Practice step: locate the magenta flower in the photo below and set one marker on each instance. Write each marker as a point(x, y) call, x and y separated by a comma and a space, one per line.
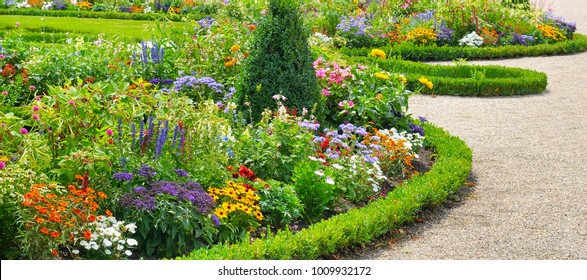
point(35, 117)
point(24, 131)
point(325, 92)
point(4, 93)
point(361, 67)
point(341, 104)
point(2, 56)
point(317, 62)
point(321, 73)
point(2, 125)
point(109, 132)
point(71, 102)
point(32, 87)
point(2, 165)
point(36, 108)
point(351, 104)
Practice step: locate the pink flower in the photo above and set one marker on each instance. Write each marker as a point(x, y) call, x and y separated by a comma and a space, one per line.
point(263, 12)
point(361, 67)
point(317, 62)
point(17, 25)
point(35, 108)
point(2, 56)
point(321, 73)
point(35, 117)
point(2, 165)
point(32, 87)
point(4, 93)
point(24, 131)
point(109, 132)
point(2, 125)
point(341, 104)
point(351, 104)
point(325, 92)
point(71, 102)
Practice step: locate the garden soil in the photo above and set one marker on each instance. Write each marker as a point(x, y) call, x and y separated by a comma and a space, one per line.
point(529, 200)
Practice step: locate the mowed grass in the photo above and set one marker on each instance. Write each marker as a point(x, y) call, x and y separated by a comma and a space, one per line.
point(137, 30)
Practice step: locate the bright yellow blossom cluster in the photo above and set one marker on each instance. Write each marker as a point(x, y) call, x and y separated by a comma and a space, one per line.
point(551, 32)
point(377, 53)
point(381, 75)
point(426, 82)
point(421, 35)
point(236, 197)
point(85, 5)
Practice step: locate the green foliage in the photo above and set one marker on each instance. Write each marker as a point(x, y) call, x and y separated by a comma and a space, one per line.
point(280, 62)
point(448, 174)
point(194, 14)
point(279, 202)
point(316, 194)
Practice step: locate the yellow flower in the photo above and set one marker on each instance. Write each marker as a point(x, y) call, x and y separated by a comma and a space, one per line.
point(402, 79)
point(377, 53)
point(258, 215)
point(220, 213)
point(235, 48)
point(426, 82)
point(382, 76)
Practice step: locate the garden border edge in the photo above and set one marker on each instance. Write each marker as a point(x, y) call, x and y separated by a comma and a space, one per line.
point(448, 174)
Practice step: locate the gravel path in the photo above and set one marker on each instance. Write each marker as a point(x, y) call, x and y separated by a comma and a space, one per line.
point(529, 154)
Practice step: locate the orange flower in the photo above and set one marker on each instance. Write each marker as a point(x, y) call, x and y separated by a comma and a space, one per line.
point(92, 218)
point(87, 234)
point(54, 252)
point(102, 195)
point(39, 220)
point(79, 177)
point(44, 231)
point(54, 234)
point(108, 213)
point(252, 27)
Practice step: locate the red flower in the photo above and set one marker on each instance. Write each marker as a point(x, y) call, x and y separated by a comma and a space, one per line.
point(87, 234)
point(54, 252)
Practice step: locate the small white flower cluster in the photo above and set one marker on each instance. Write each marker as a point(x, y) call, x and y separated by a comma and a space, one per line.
point(471, 40)
point(47, 6)
point(411, 141)
point(24, 4)
point(107, 236)
point(320, 40)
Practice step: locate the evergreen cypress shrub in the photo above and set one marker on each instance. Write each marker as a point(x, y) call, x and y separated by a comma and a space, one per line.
point(280, 62)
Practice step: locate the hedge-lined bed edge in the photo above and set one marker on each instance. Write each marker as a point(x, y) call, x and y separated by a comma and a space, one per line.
point(448, 174)
point(448, 53)
point(465, 80)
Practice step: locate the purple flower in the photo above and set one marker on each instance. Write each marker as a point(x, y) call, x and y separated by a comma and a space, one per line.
point(122, 176)
point(24, 131)
point(309, 125)
point(319, 139)
point(206, 22)
point(146, 172)
point(216, 220)
point(109, 132)
point(361, 131)
point(191, 192)
point(422, 119)
point(36, 108)
point(181, 173)
point(35, 117)
point(520, 39)
point(161, 139)
point(417, 129)
point(370, 159)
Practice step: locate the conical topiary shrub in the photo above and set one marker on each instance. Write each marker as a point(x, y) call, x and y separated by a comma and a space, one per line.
point(280, 62)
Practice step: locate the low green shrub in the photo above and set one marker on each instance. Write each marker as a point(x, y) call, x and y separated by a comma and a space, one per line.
point(466, 80)
point(448, 174)
point(103, 14)
point(447, 53)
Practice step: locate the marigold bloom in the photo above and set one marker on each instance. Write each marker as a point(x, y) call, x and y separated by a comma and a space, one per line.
point(252, 27)
point(39, 220)
point(54, 234)
point(235, 48)
point(44, 231)
point(102, 195)
point(382, 76)
point(378, 53)
point(55, 253)
point(108, 213)
point(426, 82)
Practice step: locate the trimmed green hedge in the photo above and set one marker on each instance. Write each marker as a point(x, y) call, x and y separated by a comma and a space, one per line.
point(465, 80)
point(446, 53)
point(106, 15)
point(448, 174)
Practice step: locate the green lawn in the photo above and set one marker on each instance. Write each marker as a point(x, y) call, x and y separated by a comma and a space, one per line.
point(130, 29)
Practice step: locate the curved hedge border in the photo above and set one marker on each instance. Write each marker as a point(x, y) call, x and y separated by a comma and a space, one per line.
point(465, 80)
point(448, 174)
point(446, 53)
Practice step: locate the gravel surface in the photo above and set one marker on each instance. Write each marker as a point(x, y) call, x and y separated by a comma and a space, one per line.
point(529, 153)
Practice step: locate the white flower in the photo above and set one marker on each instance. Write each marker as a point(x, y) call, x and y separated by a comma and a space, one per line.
point(83, 243)
point(107, 243)
point(329, 180)
point(131, 242)
point(471, 40)
point(119, 247)
point(319, 173)
point(128, 253)
point(338, 166)
point(313, 158)
point(75, 251)
point(95, 246)
point(107, 252)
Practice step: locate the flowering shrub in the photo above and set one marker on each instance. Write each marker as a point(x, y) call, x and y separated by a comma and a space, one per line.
point(171, 218)
point(53, 217)
point(471, 40)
